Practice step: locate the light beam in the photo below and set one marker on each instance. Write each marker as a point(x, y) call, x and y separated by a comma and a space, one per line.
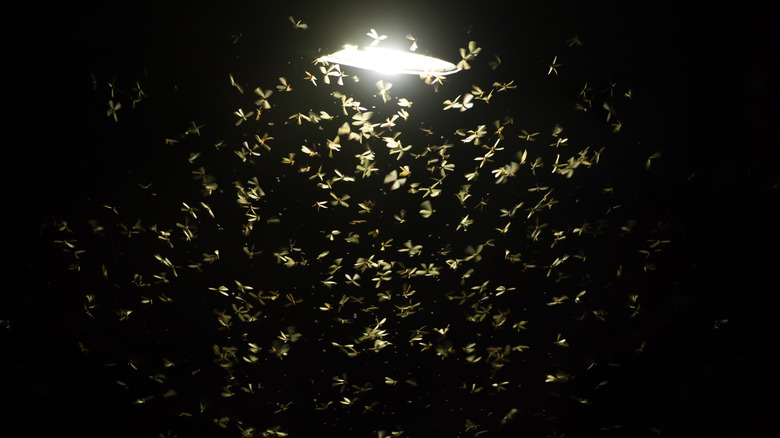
point(390, 61)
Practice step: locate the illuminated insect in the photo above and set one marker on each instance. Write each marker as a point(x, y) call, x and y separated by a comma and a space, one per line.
point(262, 102)
point(139, 93)
point(395, 146)
point(312, 153)
point(233, 83)
point(353, 279)
point(413, 47)
point(384, 87)
point(553, 66)
point(289, 159)
point(298, 117)
point(649, 162)
point(464, 223)
point(454, 103)
point(504, 86)
point(339, 200)
point(113, 107)
point(310, 77)
point(360, 119)
point(298, 24)
point(390, 122)
point(467, 54)
point(333, 145)
point(526, 136)
point(495, 63)
point(283, 86)
point(376, 37)
point(112, 86)
point(241, 116)
point(610, 110)
point(413, 250)
point(473, 135)
point(426, 210)
point(392, 178)
point(561, 342)
point(467, 104)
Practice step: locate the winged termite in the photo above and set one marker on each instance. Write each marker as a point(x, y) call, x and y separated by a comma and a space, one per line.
point(495, 62)
point(339, 200)
point(376, 37)
point(112, 87)
point(332, 70)
point(279, 349)
point(242, 117)
point(299, 117)
point(609, 109)
point(283, 85)
point(194, 128)
point(466, 104)
point(468, 54)
point(450, 104)
point(560, 341)
point(526, 136)
point(235, 84)
point(473, 253)
point(298, 24)
point(426, 210)
point(464, 223)
point(574, 41)
point(113, 107)
point(312, 153)
point(389, 122)
point(392, 177)
point(473, 135)
point(262, 102)
point(649, 162)
point(349, 102)
point(383, 88)
point(311, 78)
point(289, 159)
point(554, 66)
point(337, 72)
point(333, 145)
point(360, 119)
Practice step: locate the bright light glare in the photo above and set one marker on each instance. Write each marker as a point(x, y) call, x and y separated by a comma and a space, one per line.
point(390, 61)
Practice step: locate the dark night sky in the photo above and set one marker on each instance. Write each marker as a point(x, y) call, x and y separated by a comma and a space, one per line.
point(701, 96)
